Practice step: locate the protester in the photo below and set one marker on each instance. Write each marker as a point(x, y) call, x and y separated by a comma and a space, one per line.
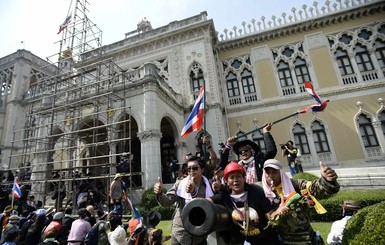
point(24, 228)
point(349, 208)
point(12, 238)
point(250, 154)
point(217, 181)
point(116, 190)
point(67, 223)
point(183, 191)
point(290, 152)
point(50, 238)
point(242, 201)
point(34, 232)
point(11, 226)
point(79, 228)
point(117, 236)
point(293, 198)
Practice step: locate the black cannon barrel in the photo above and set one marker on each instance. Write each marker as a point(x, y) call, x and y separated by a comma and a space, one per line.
point(200, 217)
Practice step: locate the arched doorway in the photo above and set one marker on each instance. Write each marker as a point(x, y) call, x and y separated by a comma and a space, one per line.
point(168, 149)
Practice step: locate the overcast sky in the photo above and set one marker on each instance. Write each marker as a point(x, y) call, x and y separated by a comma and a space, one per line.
point(33, 24)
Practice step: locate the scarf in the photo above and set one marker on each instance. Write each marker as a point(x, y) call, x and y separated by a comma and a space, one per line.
point(287, 186)
point(181, 191)
point(249, 166)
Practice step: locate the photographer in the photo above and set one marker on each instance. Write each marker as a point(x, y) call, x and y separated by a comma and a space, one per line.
point(289, 151)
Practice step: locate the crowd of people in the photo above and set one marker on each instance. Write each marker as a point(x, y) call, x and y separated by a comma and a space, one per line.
point(266, 206)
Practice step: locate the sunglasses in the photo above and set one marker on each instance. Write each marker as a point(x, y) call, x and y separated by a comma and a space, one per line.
point(244, 151)
point(192, 169)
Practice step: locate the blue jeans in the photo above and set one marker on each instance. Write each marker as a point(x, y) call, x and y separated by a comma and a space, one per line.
point(292, 170)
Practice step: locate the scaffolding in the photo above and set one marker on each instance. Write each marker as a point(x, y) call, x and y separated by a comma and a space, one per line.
point(78, 125)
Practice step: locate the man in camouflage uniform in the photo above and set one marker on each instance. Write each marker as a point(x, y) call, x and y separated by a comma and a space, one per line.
point(294, 198)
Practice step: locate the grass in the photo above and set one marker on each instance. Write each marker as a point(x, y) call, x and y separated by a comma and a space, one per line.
point(322, 227)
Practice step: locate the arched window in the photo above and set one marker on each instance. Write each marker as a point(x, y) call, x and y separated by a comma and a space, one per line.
point(284, 74)
point(367, 132)
point(232, 85)
point(247, 82)
point(320, 139)
point(380, 52)
point(363, 58)
point(301, 71)
point(258, 139)
point(197, 79)
point(241, 136)
point(300, 138)
point(343, 61)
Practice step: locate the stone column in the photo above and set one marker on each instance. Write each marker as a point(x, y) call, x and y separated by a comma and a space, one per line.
point(150, 154)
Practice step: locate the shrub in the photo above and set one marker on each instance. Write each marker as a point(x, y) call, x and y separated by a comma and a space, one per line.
point(366, 226)
point(305, 176)
point(149, 203)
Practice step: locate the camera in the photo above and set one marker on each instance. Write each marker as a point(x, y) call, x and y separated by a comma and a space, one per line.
point(283, 146)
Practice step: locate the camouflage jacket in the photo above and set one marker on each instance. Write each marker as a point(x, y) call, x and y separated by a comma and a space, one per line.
point(295, 228)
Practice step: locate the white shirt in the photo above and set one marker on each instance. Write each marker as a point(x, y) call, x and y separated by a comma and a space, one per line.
point(337, 230)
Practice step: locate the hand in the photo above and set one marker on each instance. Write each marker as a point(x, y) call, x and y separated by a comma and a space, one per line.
point(266, 127)
point(158, 187)
point(232, 140)
point(205, 140)
point(328, 173)
point(190, 187)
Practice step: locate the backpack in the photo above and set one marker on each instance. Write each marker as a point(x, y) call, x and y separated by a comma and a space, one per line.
point(139, 236)
point(92, 236)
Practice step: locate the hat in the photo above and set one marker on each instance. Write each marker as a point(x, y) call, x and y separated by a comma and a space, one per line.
point(151, 219)
point(41, 212)
point(8, 209)
point(272, 163)
point(13, 219)
point(239, 144)
point(118, 175)
point(351, 205)
point(49, 211)
point(118, 236)
point(58, 216)
point(117, 210)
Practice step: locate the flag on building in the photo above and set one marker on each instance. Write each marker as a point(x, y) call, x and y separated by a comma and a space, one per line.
point(319, 106)
point(65, 23)
point(16, 191)
point(195, 119)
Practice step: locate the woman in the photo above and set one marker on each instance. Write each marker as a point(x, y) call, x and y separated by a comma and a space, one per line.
point(193, 186)
point(249, 208)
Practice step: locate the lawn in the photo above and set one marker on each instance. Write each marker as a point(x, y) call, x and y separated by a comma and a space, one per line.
point(322, 227)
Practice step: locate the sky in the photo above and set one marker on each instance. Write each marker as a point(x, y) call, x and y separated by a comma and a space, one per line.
point(33, 24)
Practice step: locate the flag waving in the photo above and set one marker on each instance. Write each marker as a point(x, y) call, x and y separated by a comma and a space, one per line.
point(16, 191)
point(195, 119)
point(319, 106)
point(65, 23)
point(134, 210)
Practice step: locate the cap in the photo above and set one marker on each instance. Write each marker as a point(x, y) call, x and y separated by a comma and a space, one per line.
point(118, 175)
point(40, 212)
point(272, 163)
point(8, 209)
point(58, 216)
point(13, 219)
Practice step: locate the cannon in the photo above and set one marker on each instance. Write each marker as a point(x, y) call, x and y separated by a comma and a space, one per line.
point(201, 217)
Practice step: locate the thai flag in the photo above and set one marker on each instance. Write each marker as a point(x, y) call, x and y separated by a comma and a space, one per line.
point(132, 207)
point(195, 119)
point(65, 23)
point(16, 191)
point(319, 106)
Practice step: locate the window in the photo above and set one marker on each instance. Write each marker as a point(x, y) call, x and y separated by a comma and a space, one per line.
point(197, 80)
point(247, 82)
point(363, 58)
point(259, 140)
point(284, 74)
point(380, 52)
point(232, 85)
point(301, 71)
point(320, 138)
point(241, 136)
point(300, 139)
point(343, 61)
point(367, 131)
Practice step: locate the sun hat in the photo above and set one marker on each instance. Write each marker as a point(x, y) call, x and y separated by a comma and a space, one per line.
point(151, 219)
point(241, 143)
point(118, 236)
point(118, 175)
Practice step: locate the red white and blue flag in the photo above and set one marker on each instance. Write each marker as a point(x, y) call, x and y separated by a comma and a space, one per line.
point(319, 106)
point(132, 207)
point(16, 191)
point(195, 119)
point(65, 23)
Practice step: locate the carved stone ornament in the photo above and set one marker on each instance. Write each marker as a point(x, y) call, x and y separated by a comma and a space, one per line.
point(260, 53)
point(316, 40)
point(152, 133)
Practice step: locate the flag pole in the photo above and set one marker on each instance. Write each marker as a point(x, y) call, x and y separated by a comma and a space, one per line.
point(276, 121)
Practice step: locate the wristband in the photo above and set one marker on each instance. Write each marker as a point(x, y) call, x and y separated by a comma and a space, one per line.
point(228, 146)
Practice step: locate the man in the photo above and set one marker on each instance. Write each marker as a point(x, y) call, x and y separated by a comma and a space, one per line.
point(293, 199)
point(349, 208)
point(11, 226)
point(290, 152)
point(57, 225)
point(79, 228)
point(195, 185)
point(250, 155)
point(117, 190)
